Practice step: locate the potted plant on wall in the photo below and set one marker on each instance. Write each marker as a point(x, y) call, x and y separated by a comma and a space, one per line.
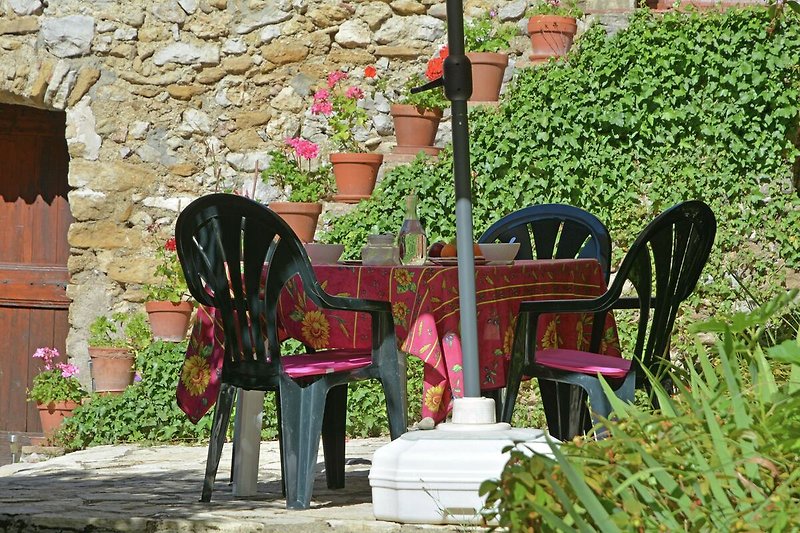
point(552, 26)
point(305, 184)
point(110, 350)
point(168, 309)
point(484, 38)
point(417, 115)
point(55, 389)
point(354, 169)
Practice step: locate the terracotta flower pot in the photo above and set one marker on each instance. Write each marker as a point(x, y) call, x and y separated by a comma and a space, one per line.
point(415, 129)
point(112, 369)
point(169, 320)
point(302, 217)
point(551, 36)
point(52, 414)
point(487, 75)
point(355, 175)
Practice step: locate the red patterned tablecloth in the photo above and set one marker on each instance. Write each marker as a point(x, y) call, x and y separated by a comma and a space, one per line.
point(426, 313)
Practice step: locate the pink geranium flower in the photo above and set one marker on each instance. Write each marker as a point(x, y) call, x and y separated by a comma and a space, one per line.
point(339, 103)
point(335, 77)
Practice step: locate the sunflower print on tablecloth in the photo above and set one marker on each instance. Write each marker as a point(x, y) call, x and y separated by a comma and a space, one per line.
point(316, 329)
point(433, 398)
point(195, 375)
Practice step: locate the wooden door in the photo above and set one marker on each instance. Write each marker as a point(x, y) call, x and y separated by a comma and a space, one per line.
point(34, 219)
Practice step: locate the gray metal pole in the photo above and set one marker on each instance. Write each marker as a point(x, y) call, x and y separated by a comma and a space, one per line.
point(458, 89)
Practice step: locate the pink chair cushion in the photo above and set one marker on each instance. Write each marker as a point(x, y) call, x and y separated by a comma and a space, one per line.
point(327, 362)
point(584, 362)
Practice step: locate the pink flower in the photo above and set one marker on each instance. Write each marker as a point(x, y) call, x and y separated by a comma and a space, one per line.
point(322, 108)
point(68, 370)
point(48, 355)
point(303, 147)
point(335, 77)
point(355, 93)
point(321, 96)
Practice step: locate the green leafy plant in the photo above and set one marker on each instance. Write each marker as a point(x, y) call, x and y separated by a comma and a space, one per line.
point(293, 170)
point(145, 412)
point(560, 8)
point(56, 382)
point(719, 456)
point(170, 285)
point(339, 104)
point(487, 34)
point(121, 330)
point(432, 98)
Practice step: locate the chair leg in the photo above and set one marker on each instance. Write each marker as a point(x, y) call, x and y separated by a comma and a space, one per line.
point(235, 401)
point(395, 408)
point(333, 434)
point(555, 401)
point(280, 441)
point(512, 390)
point(497, 396)
point(600, 406)
point(302, 415)
point(222, 415)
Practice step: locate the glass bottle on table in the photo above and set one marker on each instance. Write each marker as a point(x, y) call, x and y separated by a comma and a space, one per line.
point(411, 240)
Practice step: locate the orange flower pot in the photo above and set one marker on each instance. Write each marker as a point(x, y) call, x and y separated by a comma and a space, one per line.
point(169, 320)
point(551, 36)
point(356, 174)
point(415, 129)
point(52, 414)
point(487, 75)
point(302, 217)
point(112, 369)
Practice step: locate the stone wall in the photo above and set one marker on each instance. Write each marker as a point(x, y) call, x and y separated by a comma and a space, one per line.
point(166, 100)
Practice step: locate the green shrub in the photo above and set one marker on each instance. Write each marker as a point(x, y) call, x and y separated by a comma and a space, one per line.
point(145, 412)
point(677, 106)
point(720, 456)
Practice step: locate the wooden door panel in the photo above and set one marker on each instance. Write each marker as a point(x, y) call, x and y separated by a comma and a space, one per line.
point(34, 219)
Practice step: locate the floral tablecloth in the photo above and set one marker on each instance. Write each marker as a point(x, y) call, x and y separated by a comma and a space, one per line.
point(426, 312)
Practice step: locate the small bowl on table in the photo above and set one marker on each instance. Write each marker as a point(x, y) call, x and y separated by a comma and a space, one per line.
point(323, 254)
point(499, 252)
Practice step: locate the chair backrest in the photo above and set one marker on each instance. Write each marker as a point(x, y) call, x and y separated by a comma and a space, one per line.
point(237, 255)
point(554, 231)
point(664, 264)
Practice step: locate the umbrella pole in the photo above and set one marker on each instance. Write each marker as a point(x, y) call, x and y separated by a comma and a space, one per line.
point(458, 89)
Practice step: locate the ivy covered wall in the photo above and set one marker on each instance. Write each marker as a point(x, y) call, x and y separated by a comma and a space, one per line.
point(677, 106)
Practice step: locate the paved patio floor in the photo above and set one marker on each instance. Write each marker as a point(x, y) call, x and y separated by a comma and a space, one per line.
point(154, 489)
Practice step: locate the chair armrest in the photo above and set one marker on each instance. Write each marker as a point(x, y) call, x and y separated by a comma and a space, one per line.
point(344, 303)
point(586, 305)
point(631, 302)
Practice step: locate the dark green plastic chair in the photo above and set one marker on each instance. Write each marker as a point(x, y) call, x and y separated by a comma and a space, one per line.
point(663, 265)
point(237, 255)
point(555, 231)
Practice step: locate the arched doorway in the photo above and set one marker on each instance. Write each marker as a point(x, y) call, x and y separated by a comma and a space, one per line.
point(34, 220)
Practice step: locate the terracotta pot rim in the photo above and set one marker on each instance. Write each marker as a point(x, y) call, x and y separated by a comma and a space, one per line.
point(566, 20)
point(356, 157)
point(413, 111)
point(296, 207)
point(155, 304)
point(488, 57)
point(107, 352)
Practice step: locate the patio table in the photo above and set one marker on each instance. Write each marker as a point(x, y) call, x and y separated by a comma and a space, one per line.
point(426, 313)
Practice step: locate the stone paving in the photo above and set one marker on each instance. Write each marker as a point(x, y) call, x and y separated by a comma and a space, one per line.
point(155, 489)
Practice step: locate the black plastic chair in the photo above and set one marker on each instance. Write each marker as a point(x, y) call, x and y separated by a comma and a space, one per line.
point(555, 231)
point(663, 265)
point(237, 255)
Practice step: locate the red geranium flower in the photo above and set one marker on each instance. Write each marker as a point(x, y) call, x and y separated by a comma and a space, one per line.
point(370, 72)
